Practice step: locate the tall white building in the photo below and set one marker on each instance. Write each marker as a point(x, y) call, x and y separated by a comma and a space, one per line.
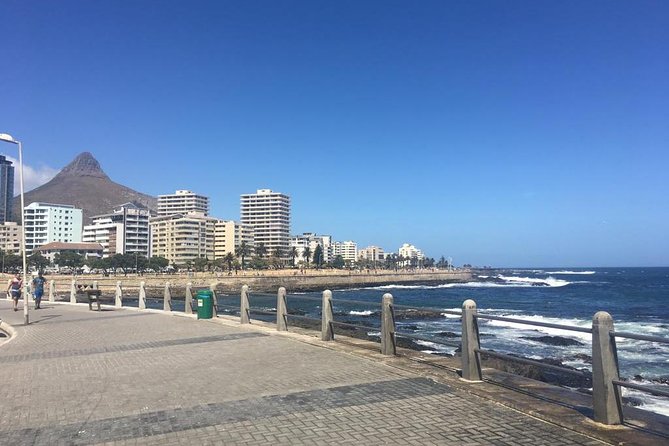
point(181, 238)
point(347, 250)
point(47, 222)
point(410, 252)
point(124, 231)
point(311, 240)
point(268, 213)
point(182, 202)
point(372, 253)
point(229, 235)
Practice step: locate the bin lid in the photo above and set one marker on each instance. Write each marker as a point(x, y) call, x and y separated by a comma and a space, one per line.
point(205, 293)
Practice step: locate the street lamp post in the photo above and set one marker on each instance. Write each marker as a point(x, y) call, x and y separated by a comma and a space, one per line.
point(8, 138)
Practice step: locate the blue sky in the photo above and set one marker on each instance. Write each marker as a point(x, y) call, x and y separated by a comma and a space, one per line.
point(498, 133)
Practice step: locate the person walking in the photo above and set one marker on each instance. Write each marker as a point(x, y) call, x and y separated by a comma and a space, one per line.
point(38, 289)
point(14, 289)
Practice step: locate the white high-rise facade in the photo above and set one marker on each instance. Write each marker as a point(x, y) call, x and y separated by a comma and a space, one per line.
point(228, 237)
point(268, 213)
point(410, 252)
point(311, 240)
point(372, 253)
point(47, 222)
point(348, 250)
point(10, 238)
point(124, 231)
point(182, 238)
point(182, 202)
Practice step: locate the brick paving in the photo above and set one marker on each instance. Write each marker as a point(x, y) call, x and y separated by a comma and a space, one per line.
point(124, 377)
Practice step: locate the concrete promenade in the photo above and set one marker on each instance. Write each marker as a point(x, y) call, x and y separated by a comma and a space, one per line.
point(122, 376)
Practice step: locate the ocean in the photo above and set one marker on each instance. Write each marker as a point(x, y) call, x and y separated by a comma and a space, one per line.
point(637, 298)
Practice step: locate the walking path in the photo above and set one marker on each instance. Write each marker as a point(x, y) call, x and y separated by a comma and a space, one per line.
point(122, 376)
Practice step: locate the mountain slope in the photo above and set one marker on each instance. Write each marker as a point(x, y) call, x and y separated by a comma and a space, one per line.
point(85, 185)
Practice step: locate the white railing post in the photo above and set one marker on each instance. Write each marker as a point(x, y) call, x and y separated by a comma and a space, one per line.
point(214, 302)
point(52, 291)
point(327, 331)
point(118, 295)
point(387, 326)
point(73, 292)
point(605, 396)
point(471, 365)
point(141, 304)
point(281, 311)
point(167, 298)
point(244, 306)
point(188, 303)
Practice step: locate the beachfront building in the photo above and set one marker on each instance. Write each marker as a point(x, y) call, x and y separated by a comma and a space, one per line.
point(311, 240)
point(123, 231)
point(10, 238)
point(372, 254)
point(229, 235)
point(182, 202)
point(88, 250)
point(182, 238)
point(268, 213)
point(48, 222)
point(348, 250)
point(411, 254)
point(6, 189)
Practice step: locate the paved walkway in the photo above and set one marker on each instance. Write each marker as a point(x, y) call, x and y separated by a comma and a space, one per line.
point(128, 377)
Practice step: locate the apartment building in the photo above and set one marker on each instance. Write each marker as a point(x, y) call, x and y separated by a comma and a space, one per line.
point(410, 252)
point(6, 189)
point(348, 250)
point(124, 230)
point(372, 254)
point(229, 235)
point(181, 238)
point(182, 202)
point(268, 213)
point(10, 238)
point(311, 240)
point(48, 222)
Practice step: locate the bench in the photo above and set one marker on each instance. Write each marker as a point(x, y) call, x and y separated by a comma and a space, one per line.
point(92, 294)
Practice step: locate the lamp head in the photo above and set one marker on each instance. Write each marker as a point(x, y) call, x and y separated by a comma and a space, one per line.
point(8, 138)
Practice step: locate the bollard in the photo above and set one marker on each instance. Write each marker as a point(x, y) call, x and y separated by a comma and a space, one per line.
point(95, 284)
point(244, 306)
point(118, 296)
point(471, 365)
point(167, 298)
point(387, 325)
point(73, 292)
point(52, 291)
point(327, 331)
point(188, 304)
point(142, 296)
point(212, 287)
point(281, 312)
point(605, 396)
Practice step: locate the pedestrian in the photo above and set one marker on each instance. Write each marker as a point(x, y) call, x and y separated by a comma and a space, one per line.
point(14, 289)
point(38, 289)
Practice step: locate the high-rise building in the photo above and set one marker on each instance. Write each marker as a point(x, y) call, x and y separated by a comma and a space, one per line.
point(10, 238)
point(182, 238)
point(268, 213)
point(228, 237)
point(311, 240)
point(347, 250)
point(372, 253)
point(6, 189)
point(410, 252)
point(123, 231)
point(182, 202)
point(47, 222)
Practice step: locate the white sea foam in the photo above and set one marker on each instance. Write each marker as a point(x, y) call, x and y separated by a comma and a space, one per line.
point(570, 273)
point(530, 281)
point(361, 313)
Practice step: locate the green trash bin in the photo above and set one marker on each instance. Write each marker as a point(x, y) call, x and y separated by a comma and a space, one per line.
point(205, 304)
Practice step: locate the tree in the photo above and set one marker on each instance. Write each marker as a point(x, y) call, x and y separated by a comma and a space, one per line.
point(38, 261)
point(338, 262)
point(243, 251)
point(158, 263)
point(103, 264)
point(229, 259)
point(318, 256)
point(261, 250)
point(69, 259)
point(278, 255)
point(12, 263)
point(307, 255)
point(292, 253)
point(201, 264)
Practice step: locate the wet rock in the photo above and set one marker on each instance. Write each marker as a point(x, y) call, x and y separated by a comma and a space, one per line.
point(416, 314)
point(447, 334)
point(581, 357)
point(411, 327)
point(553, 340)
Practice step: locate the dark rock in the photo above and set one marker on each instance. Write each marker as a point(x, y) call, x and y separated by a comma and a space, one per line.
point(582, 357)
point(447, 334)
point(416, 314)
point(553, 340)
point(411, 327)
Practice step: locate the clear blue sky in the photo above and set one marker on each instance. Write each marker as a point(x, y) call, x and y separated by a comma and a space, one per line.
point(529, 133)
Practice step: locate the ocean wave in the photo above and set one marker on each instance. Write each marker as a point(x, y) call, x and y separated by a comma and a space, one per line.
point(570, 273)
point(531, 281)
point(361, 313)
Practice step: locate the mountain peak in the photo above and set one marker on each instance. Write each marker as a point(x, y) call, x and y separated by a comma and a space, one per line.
point(84, 164)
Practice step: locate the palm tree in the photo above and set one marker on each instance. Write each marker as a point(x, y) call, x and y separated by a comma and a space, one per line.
point(229, 259)
point(278, 254)
point(261, 250)
point(243, 251)
point(292, 253)
point(307, 254)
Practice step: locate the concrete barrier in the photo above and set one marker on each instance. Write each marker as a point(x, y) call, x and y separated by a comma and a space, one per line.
point(281, 310)
point(327, 331)
point(388, 346)
point(244, 306)
point(471, 364)
point(606, 400)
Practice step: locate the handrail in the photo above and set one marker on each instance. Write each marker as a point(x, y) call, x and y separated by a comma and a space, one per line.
point(532, 362)
point(420, 338)
point(534, 323)
point(639, 337)
point(641, 388)
point(362, 327)
point(298, 296)
point(356, 302)
point(430, 309)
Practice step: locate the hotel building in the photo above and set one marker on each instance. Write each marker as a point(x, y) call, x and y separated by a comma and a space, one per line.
point(268, 213)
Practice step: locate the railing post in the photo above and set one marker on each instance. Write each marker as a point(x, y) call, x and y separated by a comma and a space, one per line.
point(52, 291)
point(212, 287)
point(605, 395)
point(142, 296)
point(387, 325)
point(188, 303)
point(95, 284)
point(281, 312)
point(73, 292)
point(327, 332)
point(471, 364)
point(244, 306)
point(118, 296)
point(167, 298)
